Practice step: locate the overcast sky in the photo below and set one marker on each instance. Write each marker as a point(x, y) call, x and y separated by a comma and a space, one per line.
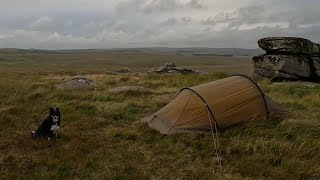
point(70, 24)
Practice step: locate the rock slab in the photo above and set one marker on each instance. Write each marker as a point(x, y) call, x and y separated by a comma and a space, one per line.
point(282, 66)
point(78, 83)
point(316, 65)
point(289, 45)
point(173, 69)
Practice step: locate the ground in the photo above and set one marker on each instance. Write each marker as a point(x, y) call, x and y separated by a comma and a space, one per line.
point(101, 135)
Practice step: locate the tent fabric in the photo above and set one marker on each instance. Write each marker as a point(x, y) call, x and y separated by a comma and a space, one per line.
point(225, 102)
point(274, 109)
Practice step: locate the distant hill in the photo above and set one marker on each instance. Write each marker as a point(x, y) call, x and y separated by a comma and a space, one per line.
point(155, 50)
point(194, 51)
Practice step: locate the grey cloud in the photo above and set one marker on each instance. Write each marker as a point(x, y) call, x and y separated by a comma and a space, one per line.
point(154, 6)
point(41, 23)
point(186, 20)
point(169, 22)
point(264, 15)
point(173, 23)
point(195, 4)
point(243, 15)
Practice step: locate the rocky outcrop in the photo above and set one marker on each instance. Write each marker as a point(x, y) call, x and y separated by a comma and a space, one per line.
point(173, 69)
point(288, 58)
point(78, 83)
point(123, 70)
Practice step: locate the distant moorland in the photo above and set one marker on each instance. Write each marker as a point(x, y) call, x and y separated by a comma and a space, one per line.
point(139, 60)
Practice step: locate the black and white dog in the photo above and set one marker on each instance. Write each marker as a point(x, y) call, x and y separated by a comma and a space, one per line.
point(50, 126)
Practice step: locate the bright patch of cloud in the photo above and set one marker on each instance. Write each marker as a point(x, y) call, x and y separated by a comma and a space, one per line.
point(244, 27)
point(154, 6)
point(42, 22)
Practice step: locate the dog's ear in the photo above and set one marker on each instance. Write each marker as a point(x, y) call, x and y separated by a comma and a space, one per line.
point(51, 111)
point(57, 110)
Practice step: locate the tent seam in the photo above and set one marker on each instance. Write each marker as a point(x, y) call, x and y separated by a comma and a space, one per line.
point(205, 103)
point(262, 94)
point(174, 124)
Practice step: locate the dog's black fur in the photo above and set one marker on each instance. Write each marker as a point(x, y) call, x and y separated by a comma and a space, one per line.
point(50, 125)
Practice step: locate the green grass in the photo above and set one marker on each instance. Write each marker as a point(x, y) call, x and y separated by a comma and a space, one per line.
point(101, 136)
point(16, 58)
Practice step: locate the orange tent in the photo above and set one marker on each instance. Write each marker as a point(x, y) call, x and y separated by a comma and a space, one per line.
point(225, 102)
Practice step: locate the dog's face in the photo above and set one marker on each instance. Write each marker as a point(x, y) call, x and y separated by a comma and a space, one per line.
point(55, 115)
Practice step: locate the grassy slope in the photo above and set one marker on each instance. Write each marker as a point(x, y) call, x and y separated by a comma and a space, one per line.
point(102, 137)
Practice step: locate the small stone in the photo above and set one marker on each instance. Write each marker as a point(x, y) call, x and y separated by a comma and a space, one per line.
point(172, 65)
point(201, 72)
point(161, 69)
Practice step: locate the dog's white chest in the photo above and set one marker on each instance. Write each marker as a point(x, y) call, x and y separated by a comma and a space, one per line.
point(54, 129)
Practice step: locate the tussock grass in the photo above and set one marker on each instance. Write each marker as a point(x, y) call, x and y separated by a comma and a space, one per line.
point(101, 136)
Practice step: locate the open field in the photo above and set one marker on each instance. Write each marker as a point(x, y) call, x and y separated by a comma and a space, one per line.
point(101, 136)
point(99, 62)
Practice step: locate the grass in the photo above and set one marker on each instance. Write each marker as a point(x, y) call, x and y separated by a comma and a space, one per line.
point(101, 136)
